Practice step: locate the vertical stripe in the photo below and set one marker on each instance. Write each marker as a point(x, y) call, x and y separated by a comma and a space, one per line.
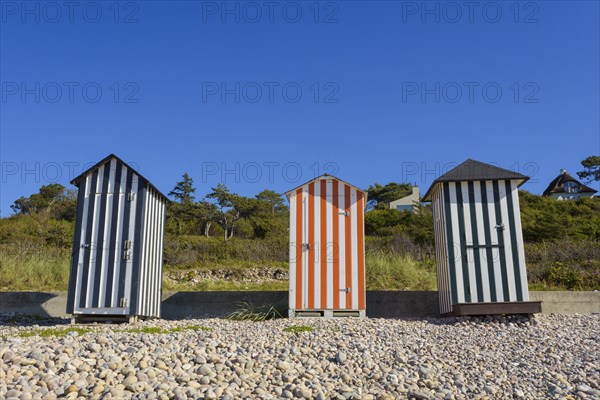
point(96, 243)
point(473, 237)
point(450, 243)
point(490, 240)
point(293, 252)
point(354, 245)
point(151, 249)
point(442, 251)
point(519, 239)
point(119, 235)
point(514, 244)
point(148, 223)
point(311, 243)
point(501, 244)
point(348, 247)
point(142, 267)
point(88, 240)
point(155, 264)
point(299, 248)
point(160, 260)
point(135, 226)
point(112, 241)
point(305, 249)
point(466, 237)
point(336, 245)
point(154, 286)
point(510, 272)
point(483, 281)
point(341, 244)
point(107, 240)
point(361, 251)
point(324, 279)
point(316, 246)
point(331, 251)
point(124, 235)
point(102, 220)
point(457, 244)
point(76, 249)
point(444, 255)
point(464, 267)
point(149, 293)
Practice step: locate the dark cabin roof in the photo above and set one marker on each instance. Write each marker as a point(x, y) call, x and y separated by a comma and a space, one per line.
point(558, 185)
point(326, 176)
point(473, 170)
point(78, 178)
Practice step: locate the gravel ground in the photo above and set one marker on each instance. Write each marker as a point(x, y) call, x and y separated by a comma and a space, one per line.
point(552, 356)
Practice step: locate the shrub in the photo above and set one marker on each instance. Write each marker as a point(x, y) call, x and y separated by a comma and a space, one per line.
point(560, 274)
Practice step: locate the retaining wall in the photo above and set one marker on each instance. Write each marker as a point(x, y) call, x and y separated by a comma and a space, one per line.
point(380, 304)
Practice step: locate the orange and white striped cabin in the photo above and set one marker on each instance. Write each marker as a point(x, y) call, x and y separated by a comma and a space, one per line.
point(327, 248)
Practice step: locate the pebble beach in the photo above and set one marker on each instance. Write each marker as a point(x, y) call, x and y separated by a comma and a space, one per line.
point(546, 356)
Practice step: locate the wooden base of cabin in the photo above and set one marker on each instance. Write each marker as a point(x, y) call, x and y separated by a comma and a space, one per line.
point(101, 318)
point(518, 307)
point(326, 313)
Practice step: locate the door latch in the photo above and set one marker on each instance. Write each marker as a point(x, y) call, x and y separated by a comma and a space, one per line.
point(305, 246)
point(346, 290)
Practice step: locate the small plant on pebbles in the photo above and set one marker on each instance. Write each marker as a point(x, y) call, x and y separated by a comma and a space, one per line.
point(298, 329)
point(247, 312)
point(54, 332)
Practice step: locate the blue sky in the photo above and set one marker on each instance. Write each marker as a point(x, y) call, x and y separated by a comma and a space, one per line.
point(266, 96)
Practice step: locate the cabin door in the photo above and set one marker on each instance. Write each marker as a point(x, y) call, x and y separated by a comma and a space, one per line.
point(105, 256)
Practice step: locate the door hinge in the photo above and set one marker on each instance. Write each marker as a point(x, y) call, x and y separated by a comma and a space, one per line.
point(123, 302)
point(131, 196)
point(127, 246)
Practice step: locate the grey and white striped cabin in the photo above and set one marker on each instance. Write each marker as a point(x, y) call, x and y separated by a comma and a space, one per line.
point(479, 241)
point(116, 263)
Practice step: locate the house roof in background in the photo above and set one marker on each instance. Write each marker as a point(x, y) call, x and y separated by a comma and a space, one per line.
point(557, 185)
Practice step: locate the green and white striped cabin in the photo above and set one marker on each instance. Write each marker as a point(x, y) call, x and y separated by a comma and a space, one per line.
point(478, 240)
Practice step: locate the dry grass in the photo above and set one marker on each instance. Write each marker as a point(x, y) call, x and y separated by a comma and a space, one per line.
point(389, 271)
point(33, 268)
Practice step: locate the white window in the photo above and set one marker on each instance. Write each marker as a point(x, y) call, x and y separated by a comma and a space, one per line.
point(571, 187)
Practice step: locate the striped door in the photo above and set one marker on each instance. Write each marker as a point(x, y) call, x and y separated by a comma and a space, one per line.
point(327, 247)
point(104, 241)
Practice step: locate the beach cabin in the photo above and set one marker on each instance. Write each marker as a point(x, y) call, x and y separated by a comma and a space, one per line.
point(116, 263)
point(478, 241)
point(327, 249)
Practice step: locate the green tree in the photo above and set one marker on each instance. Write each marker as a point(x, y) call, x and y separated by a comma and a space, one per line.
point(380, 196)
point(184, 190)
point(591, 169)
point(226, 213)
point(54, 199)
point(273, 199)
